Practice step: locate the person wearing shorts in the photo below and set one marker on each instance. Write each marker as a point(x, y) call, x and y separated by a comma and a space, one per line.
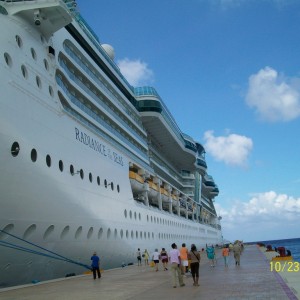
point(184, 259)
point(155, 258)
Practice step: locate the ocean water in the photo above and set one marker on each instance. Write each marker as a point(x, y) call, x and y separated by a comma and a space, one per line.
point(290, 244)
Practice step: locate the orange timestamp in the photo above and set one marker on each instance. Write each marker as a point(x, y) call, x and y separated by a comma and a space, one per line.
point(288, 266)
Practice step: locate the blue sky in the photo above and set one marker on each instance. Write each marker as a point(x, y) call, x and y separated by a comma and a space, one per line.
point(229, 72)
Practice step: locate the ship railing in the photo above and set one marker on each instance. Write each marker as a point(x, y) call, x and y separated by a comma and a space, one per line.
point(98, 119)
point(90, 93)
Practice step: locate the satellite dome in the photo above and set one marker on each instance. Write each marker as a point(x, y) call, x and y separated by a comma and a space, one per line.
point(109, 50)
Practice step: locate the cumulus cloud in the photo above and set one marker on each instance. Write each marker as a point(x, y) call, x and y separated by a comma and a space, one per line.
point(135, 71)
point(274, 97)
point(264, 216)
point(232, 149)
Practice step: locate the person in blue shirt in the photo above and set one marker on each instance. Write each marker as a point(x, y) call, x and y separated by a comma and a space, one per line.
point(95, 265)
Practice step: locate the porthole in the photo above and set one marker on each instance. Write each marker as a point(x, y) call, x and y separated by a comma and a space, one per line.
point(141, 235)
point(61, 165)
point(65, 232)
point(24, 71)
point(131, 234)
point(46, 64)
point(47, 233)
point(81, 173)
point(51, 93)
point(90, 177)
point(152, 235)
point(112, 186)
point(98, 180)
point(127, 234)
point(48, 160)
point(105, 183)
point(72, 169)
point(140, 216)
point(115, 233)
point(147, 218)
point(118, 188)
point(8, 59)
point(78, 232)
point(8, 228)
point(15, 149)
point(90, 232)
point(135, 215)
point(33, 53)
point(125, 213)
point(19, 41)
point(145, 235)
point(121, 233)
point(33, 155)
point(108, 233)
point(100, 233)
point(38, 81)
point(29, 231)
point(136, 234)
point(130, 214)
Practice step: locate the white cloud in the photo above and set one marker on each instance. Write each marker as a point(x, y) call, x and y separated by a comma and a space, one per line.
point(274, 97)
point(232, 149)
point(265, 216)
point(136, 72)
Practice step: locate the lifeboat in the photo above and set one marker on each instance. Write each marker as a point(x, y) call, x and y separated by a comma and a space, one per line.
point(137, 182)
point(153, 190)
point(164, 195)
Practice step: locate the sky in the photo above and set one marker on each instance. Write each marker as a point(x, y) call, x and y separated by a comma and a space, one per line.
point(229, 72)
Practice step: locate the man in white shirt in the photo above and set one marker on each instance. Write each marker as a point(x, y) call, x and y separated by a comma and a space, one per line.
point(156, 258)
point(174, 258)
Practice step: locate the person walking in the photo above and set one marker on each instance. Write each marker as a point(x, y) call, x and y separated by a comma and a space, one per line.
point(184, 259)
point(174, 258)
point(164, 258)
point(146, 257)
point(237, 253)
point(194, 257)
point(95, 265)
point(225, 254)
point(156, 258)
point(210, 251)
point(139, 257)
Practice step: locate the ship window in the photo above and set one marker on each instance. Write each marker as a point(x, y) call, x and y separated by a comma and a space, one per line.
point(81, 173)
point(130, 214)
point(8, 228)
point(139, 216)
point(136, 235)
point(105, 183)
point(141, 235)
point(29, 231)
point(148, 235)
point(115, 233)
point(8, 59)
point(98, 180)
point(132, 234)
point(24, 71)
point(145, 235)
point(19, 41)
point(112, 186)
point(118, 188)
point(78, 232)
point(61, 165)
point(51, 93)
point(135, 215)
point(147, 218)
point(48, 160)
point(90, 177)
point(49, 230)
point(33, 155)
point(65, 232)
point(121, 233)
point(100, 232)
point(33, 53)
point(152, 235)
point(38, 81)
point(125, 213)
point(90, 232)
point(46, 64)
point(108, 233)
point(72, 169)
point(15, 149)
point(127, 234)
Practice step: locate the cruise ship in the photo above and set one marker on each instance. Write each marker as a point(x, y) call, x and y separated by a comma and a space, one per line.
point(87, 161)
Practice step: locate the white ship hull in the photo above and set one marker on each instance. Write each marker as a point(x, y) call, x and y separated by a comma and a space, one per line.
point(54, 209)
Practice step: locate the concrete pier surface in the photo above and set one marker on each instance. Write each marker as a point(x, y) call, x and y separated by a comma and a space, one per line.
point(253, 279)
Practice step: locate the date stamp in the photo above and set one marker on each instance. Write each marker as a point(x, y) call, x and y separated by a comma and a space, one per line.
point(287, 266)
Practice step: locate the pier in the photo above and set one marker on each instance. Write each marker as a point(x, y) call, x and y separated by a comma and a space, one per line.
point(253, 279)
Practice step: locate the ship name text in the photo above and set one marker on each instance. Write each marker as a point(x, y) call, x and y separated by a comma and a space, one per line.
point(98, 147)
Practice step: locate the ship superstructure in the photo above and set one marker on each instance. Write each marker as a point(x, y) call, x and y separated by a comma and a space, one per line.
point(87, 161)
